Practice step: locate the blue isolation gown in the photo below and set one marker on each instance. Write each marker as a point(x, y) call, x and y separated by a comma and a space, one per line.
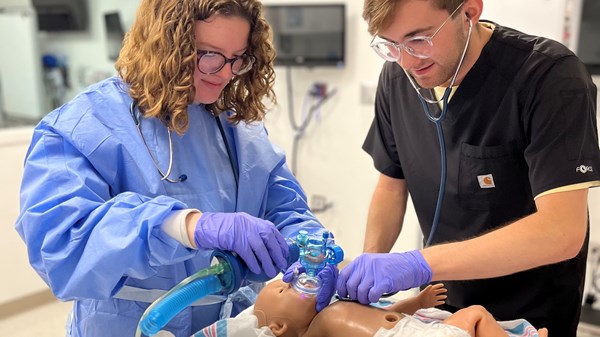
point(92, 203)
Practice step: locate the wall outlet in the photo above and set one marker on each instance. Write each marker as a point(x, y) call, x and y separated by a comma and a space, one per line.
point(590, 288)
point(368, 90)
point(593, 252)
point(319, 203)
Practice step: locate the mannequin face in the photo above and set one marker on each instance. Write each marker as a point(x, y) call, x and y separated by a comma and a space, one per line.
point(283, 309)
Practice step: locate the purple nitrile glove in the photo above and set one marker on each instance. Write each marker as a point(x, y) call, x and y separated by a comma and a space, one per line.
point(371, 275)
point(328, 276)
point(256, 241)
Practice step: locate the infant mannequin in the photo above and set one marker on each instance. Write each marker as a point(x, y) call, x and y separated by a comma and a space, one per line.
point(291, 314)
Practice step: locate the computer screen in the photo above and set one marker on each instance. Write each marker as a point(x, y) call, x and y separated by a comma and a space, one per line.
point(308, 35)
point(61, 15)
point(588, 43)
point(114, 34)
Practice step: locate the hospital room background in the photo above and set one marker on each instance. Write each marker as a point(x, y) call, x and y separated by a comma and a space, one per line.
point(322, 116)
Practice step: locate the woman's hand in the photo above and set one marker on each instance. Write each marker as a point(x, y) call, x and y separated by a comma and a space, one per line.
point(256, 241)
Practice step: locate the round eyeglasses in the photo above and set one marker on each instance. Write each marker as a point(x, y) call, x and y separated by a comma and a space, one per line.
point(417, 46)
point(211, 62)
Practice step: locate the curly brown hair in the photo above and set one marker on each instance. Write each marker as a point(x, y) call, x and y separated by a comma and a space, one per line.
point(379, 13)
point(159, 55)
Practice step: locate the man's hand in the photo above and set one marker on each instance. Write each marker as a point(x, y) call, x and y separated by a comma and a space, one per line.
point(371, 275)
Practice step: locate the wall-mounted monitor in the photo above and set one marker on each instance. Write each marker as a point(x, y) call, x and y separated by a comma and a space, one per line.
point(114, 34)
point(308, 34)
point(588, 39)
point(61, 15)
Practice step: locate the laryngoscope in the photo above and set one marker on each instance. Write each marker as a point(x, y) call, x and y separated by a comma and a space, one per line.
point(227, 273)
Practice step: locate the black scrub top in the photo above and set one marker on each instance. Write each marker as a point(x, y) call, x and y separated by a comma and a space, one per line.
point(524, 117)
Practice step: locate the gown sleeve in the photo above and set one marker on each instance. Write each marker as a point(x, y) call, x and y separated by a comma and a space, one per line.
point(83, 241)
point(287, 205)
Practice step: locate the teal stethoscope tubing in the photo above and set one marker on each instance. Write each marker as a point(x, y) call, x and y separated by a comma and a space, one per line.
point(443, 162)
point(440, 133)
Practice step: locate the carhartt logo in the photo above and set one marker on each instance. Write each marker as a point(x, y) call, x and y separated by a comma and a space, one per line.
point(584, 169)
point(486, 181)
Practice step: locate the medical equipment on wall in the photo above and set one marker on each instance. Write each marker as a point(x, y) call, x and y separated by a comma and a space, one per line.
point(319, 94)
point(55, 79)
point(227, 273)
point(438, 125)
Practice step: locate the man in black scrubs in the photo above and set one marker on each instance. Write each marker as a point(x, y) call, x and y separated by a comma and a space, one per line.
point(503, 210)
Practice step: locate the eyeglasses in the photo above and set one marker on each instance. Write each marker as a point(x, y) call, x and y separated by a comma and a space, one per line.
point(211, 62)
point(417, 46)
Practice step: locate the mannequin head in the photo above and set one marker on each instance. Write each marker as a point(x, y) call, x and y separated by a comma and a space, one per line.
point(284, 310)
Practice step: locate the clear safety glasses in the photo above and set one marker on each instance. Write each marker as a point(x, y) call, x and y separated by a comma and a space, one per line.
point(417, 46)
point(210, 62)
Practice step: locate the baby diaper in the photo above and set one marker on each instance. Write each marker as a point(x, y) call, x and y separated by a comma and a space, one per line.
point(412, 327)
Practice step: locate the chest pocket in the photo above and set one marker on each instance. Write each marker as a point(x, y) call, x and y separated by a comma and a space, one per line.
point(490, 176)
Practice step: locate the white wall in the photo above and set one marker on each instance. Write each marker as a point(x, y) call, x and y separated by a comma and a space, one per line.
point(15, 3)
point(87, 52)
point(536, 17)
point(331, 162)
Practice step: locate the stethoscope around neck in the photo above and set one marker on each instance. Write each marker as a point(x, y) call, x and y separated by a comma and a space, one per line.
point(165, 176)
point(437, 120)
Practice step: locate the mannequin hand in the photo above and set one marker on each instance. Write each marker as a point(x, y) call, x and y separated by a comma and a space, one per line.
point(432, 296)
point(371, 275)
point(256, 241)
point(328, 276)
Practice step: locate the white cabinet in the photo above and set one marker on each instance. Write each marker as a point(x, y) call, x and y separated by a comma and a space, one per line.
point(18, 277)
point(21, 77)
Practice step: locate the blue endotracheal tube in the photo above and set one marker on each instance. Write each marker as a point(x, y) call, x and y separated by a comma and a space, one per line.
point(222, 277)
point(227, 273)
point(315, 252)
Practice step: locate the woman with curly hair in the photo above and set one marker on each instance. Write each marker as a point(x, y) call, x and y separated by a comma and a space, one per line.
point(129, 187)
